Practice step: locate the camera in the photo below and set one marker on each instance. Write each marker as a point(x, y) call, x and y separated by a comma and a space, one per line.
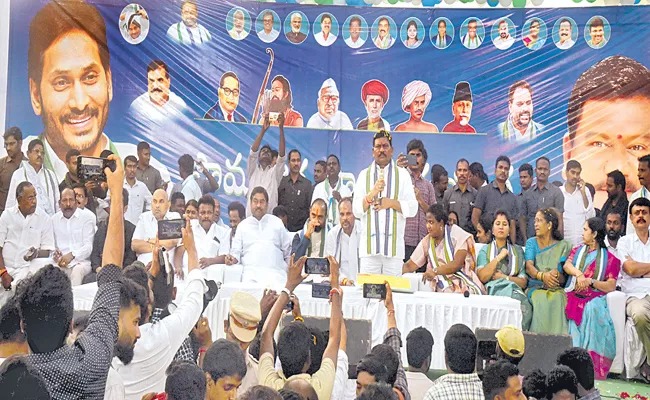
point(170, 229)
point(317, 266)
point(92, 168)
point(374, 291)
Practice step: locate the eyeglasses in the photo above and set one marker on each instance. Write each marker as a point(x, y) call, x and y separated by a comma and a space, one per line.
point(233, 92)
point(327, 98)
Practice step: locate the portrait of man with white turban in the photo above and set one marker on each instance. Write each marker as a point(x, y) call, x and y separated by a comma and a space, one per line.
point(462, 109)
point(416, 97)
point(374, 95)
point(329, 116)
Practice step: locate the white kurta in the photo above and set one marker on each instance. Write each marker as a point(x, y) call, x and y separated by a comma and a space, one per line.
point(345, 249)
point(19, 233)
point(381, 242)
point(268, 178)
point(324, 191)
point(576, 214)
point(191, 189)
point(147, 228)
point(339, 120)
point(180, 33)
point(139, 201)
point(45, 183)
point(143, 108)
point(631, 246)
point(75, 235)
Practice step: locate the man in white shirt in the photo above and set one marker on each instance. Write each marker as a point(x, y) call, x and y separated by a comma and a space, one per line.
point(74, 231)
point(216, 217)
point(419, 343)
point(261, 244)
point(643, 173)
point(189, 31)
point(190, 187)
point(383, 198)
point(332, 190)
point(26, 238)
point(329, 116)
point(384, 39)
point(565, 32)
point(238, 24)
point(578, 205)
point(325, 37)
point(43, 180)
point(342, 243)
point(634, 251)
point(504, 41)
point(355, 41)
point(268, 34)
point(139, 195)
point(260, 172)
point(146, 230)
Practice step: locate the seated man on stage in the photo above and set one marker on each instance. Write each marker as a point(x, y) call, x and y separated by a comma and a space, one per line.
point(634, 250)
point(383, 199)
point(146, 230)
point(448, 252)
point(261, 243)
point(342, 243)
point(311, 240)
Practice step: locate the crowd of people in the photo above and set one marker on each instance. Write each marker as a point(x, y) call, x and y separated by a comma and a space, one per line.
point(548, 247)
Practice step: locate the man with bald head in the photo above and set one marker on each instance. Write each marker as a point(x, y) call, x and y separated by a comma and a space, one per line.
point(311, 240)
point(303, 388)
point(74, 231)
point(144, 237)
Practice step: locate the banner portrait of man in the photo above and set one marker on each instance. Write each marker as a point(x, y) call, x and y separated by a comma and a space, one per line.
point(281, 93)
point(188, 31)
point(416, 97)
point(226, 107)
point(519, 126)
point(374, 95)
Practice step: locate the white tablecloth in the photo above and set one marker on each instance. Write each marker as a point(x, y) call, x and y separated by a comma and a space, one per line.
point(435, 311)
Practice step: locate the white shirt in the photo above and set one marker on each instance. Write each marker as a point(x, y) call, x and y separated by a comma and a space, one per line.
point(139, 200)
point(268, 37)
point(147, 228)
point(44, 182)
point(238, 35)
point(19, 233)
point(613, 250)
point(354, 45)
point(643, 192)
point(320, 38)
point(566, 45)
point(263, 248)
point(631, 246)
point(576, 214)
point(159, 342)
point(418, 383)
point(324, 191)
point(503, 44)
point(114, 385)
point(214, 242)
point(268, 178)
point(346, 252)
point(339, 120)
point(74, 234)
point(143, 108)
point(191, 189)
point(180, 33)
point(407, 200)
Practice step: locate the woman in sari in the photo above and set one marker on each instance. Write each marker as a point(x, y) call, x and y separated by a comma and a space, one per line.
point(500, 266)
point(592, 274)
point(545, 255)
point(448, 252)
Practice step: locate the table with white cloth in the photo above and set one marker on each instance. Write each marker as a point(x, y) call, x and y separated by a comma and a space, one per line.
point(435, 311)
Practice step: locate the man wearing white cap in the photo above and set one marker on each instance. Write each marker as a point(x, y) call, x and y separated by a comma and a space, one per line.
point(415, 100)
point(328, 115)
point(241, 328)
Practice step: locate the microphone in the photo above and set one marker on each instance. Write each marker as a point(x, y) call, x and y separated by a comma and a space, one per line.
point(466, 293)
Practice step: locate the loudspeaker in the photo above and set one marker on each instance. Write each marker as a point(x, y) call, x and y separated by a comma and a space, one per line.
point(540, 352)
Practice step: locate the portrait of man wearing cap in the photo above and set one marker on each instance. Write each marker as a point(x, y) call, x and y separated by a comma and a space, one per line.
point(462, 109)
point(374, 95)
point(415, 100)
point(241, 327)
point(510, 344)
point(329, 116)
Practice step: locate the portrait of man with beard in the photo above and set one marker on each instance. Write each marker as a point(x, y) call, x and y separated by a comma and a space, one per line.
point(280, 94)
point(504, 39)
point(374, 95)
point(520, 127)
point(462, 109)
point(189, 32)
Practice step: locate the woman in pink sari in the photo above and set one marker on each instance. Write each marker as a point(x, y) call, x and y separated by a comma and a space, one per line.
point(592, 274)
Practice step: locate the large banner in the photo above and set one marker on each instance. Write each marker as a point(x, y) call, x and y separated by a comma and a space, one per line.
point(197, 76)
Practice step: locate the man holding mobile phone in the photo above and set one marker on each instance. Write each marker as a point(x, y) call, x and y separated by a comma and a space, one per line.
point(144, 237)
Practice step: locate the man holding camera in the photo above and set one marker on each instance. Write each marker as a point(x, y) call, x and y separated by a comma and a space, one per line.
point(146, 230)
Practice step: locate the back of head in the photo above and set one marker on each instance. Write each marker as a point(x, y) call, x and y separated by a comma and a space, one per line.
point(534, 384)
point(186, 163)
point(372, 365)
point(419, 344)
point(260, 392)
point(185, 380)
point(580, 362)
point(288, 394)
point(46, 307)
point(561, 378)
point(460, 349)
point(378, 391)
point(495, 378)
point(10, 323)
point(280, 211)
point(224, 358)
point(137, 274)
point(20, 381)
point(390, 359)
point(318, 344)
point(293, 348)
point(302, 388)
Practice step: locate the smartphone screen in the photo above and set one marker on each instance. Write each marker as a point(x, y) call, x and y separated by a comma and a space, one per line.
point(318, 266)
point(374, 291)
point(170, 229)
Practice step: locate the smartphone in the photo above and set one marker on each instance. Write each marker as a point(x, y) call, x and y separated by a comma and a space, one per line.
point(170, 229)
point(92, 168)
point(275, 108)
point(374, 291)
point(289, 306)
point(317, 266)
point(412, 160)
point(213, 289)
point(321, 290)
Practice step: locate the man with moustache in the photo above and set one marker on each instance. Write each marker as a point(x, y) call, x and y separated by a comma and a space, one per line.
point(238, 23)
point(504, 41)
point(384, 40)
point(597, 33)
point(281, 92)
point(189, 31)
point(320, 172)
point(268, 33)
point(616, 196)
point(643, 173)
point(607, 127)
point(462, 110)
point(295, 193)
point(159, 103)
point(74, 231)
point(325, 37)
point(471, 40)
point(310, 241)
point(74, 115)
point(525, 181)
point(416, 97)
point(146, 230)
point(13, 139)
point(634, 251)
point(442, 40)
point(332, 190)
point(460, 198)
point(520, 127)
point(236, 214)
point(566, 28)
point(139, 196)
point(374, 95)
point(355, 41)
point(44, 180)
point(383, 199)
point(226, 107)
point(614, 226)
point(342, 242)
point(578, 205)
point(329, 116)
point(295, 36)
